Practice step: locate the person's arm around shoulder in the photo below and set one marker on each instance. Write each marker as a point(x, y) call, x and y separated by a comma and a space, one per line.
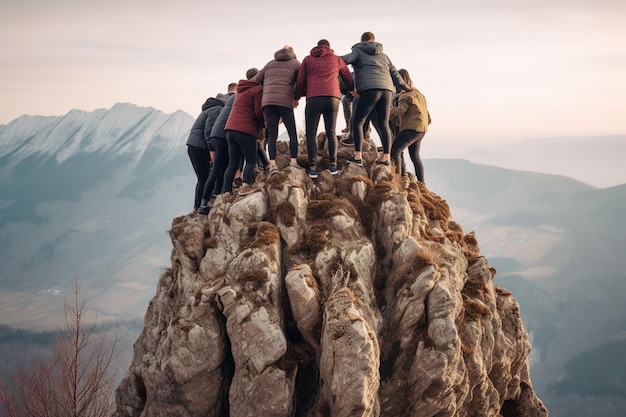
point(398, 81)
point(351, 57)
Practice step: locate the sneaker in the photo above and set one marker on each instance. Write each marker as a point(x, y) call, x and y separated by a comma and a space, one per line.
point(381, 162)
point(313, 172)
point(238, 182)
point(246, 189)
point(203, 210)
point(295, 165)
point(333, 169)
point(355, 161)
point(349, 141)
point(273, 170)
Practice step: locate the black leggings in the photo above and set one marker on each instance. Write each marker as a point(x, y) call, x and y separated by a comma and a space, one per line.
point(215, 181)
point(200, 161)
point(273, 115)
point(378, 101)
point(328, 107)
point(240, 146)
point(411, 139)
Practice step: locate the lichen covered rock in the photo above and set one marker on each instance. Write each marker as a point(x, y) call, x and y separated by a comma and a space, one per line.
point(349, 295)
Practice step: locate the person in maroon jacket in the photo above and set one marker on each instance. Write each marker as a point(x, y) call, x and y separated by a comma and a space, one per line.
point(244, 126)
point(318, 80)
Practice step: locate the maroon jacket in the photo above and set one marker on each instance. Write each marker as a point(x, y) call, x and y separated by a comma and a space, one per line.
point(319, 72)
point(247, 114)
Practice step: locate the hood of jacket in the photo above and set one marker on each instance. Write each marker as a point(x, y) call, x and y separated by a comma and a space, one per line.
point(244, 85)
point(319, 51)
point(284, 55)
point(218, 100)
point(369, 47)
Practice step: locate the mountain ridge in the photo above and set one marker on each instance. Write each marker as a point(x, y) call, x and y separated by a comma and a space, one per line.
point(103, 217)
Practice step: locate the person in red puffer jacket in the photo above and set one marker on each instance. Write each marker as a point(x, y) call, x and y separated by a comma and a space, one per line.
point(244, 126)
point(318, 80)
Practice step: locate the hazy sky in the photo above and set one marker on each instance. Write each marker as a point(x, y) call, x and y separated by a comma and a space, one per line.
point(490, 69)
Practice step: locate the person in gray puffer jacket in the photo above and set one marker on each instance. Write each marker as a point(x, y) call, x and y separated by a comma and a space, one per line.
point(376, 80)
point(198, 142)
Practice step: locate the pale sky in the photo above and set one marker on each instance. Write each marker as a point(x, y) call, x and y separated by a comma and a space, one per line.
point(491, 70)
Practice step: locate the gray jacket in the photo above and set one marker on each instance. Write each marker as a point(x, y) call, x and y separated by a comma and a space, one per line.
point(373, 69)
point(200, 133)
point(218, 127)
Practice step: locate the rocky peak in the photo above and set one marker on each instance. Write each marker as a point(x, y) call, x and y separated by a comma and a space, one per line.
point(354, 295)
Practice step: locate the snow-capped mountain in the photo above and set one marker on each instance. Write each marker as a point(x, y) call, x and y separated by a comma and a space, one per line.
point(125, 129)
point(89, 196)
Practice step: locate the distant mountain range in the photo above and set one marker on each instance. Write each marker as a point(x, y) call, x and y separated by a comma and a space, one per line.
point(595, 160)
point(91, 195)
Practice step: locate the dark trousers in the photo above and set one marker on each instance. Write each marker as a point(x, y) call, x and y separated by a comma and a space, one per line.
point(273, 116)
point(316, 107)
point(411, 139)
point(215, 181)
point(240, 146)
point(378, 102)
point(201, 163)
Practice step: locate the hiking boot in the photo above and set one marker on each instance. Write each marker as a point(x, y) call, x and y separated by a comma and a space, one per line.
point(353, 160)
point(273, 170)
point(312, 172)
point(246, 189)
point(381, 162)
point(333, 169)
point(203, 210)
point(349, 141)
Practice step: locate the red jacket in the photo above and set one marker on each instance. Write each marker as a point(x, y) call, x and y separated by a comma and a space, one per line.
point(247, 114)
point(319, 72)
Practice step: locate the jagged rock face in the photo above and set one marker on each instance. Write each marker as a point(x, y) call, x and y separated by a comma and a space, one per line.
point(354, 295)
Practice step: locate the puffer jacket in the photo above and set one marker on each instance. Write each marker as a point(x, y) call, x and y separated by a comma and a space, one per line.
point(412, 111)
point(200, 133)
point(218, 127)
point(247, 114)
point(319, 74)
point(278, 78)
point(373, 69)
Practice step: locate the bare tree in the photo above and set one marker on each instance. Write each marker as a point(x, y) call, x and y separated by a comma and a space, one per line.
point(76, 379)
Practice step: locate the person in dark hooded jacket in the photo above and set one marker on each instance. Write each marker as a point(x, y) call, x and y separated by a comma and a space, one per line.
point(376, 80)
point(198, 142)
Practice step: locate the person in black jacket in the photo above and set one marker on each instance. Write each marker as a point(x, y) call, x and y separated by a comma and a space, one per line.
point(199, 144)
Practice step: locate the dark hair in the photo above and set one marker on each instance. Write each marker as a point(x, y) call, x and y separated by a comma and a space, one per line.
point(323, 42)
point(251, 73)
point(232, 87)
point(367, 36)
point(405, 75)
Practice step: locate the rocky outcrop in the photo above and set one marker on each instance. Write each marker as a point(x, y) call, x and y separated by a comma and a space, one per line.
point(354, 295)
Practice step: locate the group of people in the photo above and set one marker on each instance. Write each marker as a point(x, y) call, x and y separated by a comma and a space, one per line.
point(224, 142)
